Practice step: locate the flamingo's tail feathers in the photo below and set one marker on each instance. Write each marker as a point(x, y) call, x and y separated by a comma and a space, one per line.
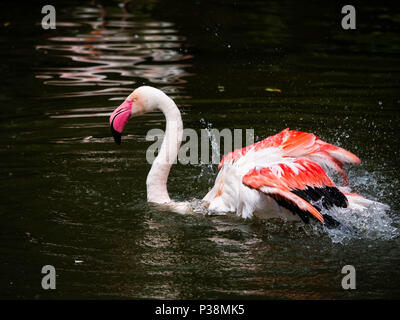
point(358, 202)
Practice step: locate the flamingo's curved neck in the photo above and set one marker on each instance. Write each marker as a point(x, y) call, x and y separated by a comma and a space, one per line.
point(157, 178)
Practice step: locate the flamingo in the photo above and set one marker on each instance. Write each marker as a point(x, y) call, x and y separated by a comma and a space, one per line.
point(284, 175)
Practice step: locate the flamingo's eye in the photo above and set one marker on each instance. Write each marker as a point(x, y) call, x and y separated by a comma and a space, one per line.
point(134, 100)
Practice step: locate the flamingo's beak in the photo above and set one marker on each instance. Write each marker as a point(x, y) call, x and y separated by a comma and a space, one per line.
point(119, 118)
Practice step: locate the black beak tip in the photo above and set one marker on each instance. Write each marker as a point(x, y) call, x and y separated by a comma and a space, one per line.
point(116, 135)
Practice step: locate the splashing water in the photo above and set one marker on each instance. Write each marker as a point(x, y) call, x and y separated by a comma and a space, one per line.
point(377, 221)
point(373, 223)
point(208, 170)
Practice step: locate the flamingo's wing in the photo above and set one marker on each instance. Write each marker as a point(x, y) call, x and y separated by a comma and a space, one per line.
point(297, 144)
point(297, 184)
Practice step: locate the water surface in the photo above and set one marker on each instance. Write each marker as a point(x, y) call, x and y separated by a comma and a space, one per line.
point(73, 199)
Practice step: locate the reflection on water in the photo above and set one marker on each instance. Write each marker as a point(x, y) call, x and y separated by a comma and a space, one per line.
point(115, 48)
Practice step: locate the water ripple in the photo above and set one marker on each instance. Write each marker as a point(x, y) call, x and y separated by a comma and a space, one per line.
point(119, 50)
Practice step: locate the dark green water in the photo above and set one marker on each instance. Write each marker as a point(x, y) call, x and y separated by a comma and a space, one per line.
point(73, 199)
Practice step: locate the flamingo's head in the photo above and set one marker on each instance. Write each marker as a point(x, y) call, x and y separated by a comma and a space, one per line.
point(141, 100)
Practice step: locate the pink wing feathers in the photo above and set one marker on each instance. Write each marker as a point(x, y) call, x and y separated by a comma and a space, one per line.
point(296, 144)
point(294, 184)
point(299, 181)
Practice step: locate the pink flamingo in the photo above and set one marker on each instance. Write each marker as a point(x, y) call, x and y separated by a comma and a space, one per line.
point(281, 176)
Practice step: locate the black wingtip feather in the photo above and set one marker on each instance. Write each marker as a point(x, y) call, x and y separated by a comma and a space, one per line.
point(329, 196)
